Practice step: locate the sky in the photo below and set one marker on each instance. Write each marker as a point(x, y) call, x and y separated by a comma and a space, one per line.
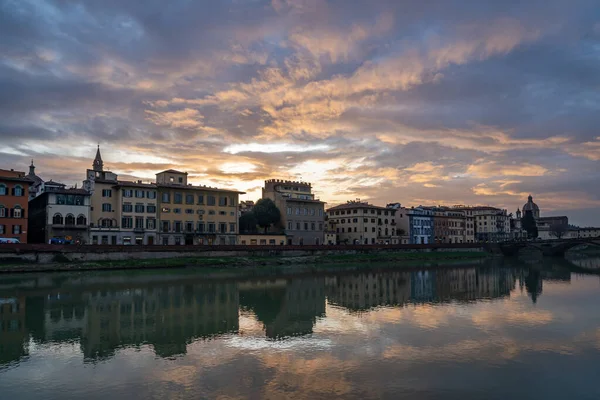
point(418, 102)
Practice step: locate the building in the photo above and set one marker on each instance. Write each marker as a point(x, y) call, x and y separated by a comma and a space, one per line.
point(548, 227)
point(104, 218)
point(490, 224)
point(137, 212)
point(359, 222)
point(59, 213)
point(585, 233)
point(246, 207)
point(302, 216)
point(449, 225)
point(416, 223)
point(14, 207)
point(271, 239)
point(191, 214)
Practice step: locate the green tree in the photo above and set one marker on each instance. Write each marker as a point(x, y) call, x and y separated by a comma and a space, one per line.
point(529, 225)
point(266, 213)
point(248, 223)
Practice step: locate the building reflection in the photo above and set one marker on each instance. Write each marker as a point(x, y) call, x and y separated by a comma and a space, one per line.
point(169, 315)
point(286, 307)
point(363, 291)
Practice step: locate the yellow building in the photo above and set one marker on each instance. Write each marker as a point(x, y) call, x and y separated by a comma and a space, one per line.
point(191, 214)
point(262, 239)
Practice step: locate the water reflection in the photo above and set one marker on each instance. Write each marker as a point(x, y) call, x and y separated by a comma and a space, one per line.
point(103, 313)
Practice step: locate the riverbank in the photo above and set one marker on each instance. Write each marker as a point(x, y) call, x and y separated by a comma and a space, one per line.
point(317, 262)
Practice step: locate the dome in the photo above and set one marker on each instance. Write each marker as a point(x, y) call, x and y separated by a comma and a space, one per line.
point(531, 206)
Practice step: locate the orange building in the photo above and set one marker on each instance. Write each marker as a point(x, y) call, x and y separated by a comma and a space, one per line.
point(14, 192)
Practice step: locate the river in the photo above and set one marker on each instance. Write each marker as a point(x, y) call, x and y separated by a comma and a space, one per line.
point(498, 330)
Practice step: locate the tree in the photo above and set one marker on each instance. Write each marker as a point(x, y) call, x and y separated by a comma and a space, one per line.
point(266, 213)
point(559, 230)
point(528, 224)
point(248, 223)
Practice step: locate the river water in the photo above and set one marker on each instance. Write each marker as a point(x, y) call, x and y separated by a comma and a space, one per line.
point(496, 330)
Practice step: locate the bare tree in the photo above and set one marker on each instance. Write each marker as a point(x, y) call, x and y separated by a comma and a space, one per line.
point(559, 230)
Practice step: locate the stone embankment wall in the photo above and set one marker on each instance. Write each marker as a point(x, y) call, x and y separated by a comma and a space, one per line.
point(43, 253)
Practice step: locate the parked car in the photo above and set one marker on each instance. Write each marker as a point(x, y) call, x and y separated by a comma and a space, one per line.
point(9, 241)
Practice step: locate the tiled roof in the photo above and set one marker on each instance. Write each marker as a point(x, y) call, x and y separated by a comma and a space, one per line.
point(192, 187)
point(353, 205)
point(173, 171)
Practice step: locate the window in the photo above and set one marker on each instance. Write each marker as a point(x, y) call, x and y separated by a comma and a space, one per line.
point(2, 228)
point(2, 189)
point(177, 198)
point(127, 207)
point(222, 212)
point(320, 227)
point(57, 219)
point(189, 199)
point(127, 193)
point(211, 212)
point(17, 212)
point(189, 226)
point(211, 227)
point(18, 190)
point(61, 199)
point(200, 227)
point(290, 225)
point(81, 220)
point(106, 207)
point(139, 222)
point(289, 211)
point(165, 226)
point(223, 227)
point(151, 208)
point(150, 223)
point(210, 200)
point(297, 211)
point(166, 197)
point(178, 226)
point(312, 226)
point(355, 220)
point(223, 201)
point(297, 226)
point(231, 227)
point(139, 194)
point(139, 208)
point(151, 194)
point(306, 226)
point(106, 193)
point(127, 222)
point(200, 199)
point(2, 211)
point(177, 210)
point(177, 238)
point(189, 211)
point(106, 223)
point(16, 229)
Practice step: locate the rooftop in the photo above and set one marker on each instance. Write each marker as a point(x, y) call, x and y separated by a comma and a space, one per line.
point(356, 204)
point(192, 187)
point(172, 171)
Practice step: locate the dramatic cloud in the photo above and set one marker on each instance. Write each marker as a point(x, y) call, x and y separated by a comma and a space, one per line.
point(439, 102)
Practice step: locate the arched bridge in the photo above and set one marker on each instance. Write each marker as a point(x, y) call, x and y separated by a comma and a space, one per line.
point(552, 248)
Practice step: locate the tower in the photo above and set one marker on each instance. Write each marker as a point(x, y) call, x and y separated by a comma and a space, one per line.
point(98, 165)
point(32, 169)
point(518, 213)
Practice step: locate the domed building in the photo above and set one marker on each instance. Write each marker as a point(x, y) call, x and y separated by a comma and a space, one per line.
point(530, 206)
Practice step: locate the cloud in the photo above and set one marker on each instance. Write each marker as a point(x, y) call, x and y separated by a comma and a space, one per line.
point(417, 102)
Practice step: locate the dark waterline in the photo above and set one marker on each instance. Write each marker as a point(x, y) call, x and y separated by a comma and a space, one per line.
point(496, 331)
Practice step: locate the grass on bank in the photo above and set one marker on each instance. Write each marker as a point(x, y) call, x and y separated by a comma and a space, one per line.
point(255, 262)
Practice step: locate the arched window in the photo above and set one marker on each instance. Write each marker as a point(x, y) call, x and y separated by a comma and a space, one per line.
point(18, 190)
point(386, 231)
point(2, 189)
point(57, 219)
point(81, 220)
point(69, 219)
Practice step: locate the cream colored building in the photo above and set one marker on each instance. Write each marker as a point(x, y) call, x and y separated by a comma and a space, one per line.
point(137, 212)
point(589, 233)
point(359, 222)
point(198, 215)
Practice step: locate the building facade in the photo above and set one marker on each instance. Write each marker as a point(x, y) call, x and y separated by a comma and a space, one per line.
point(259, 239)
point(59, 213)
point(14, 206)
point(359, 222)
point(199, 215)
point(449, 225)
point(302, 216)
point(417, 223)
point(136, 212)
